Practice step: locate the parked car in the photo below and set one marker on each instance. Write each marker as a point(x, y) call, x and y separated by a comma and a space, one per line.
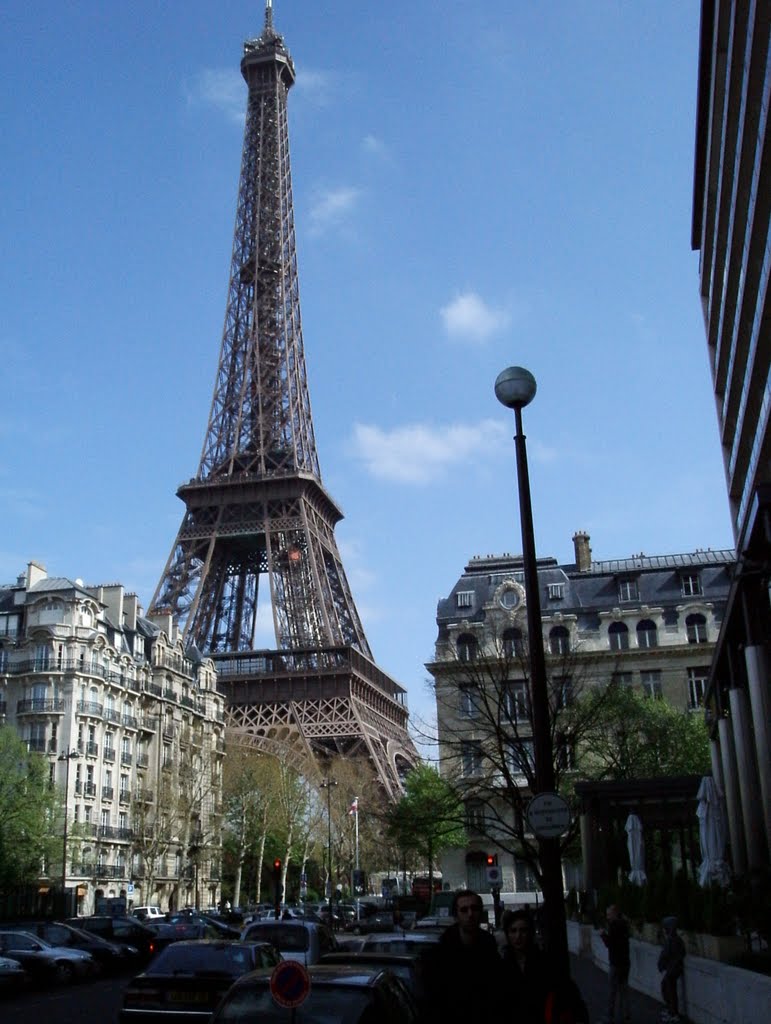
point(186, 980)
point(13, 977)
point(339, 994)
point(399, 942)
point(305, 941)
point(110, 957)
point(124, 931)
point(148, 913)
point(380, 921)
point(44, 962)
point(407, 966)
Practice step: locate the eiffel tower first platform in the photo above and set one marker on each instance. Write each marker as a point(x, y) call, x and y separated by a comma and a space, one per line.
point(257, 513)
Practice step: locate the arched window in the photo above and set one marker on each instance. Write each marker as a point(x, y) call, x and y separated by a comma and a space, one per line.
point(646, 633)
point(618, 636)
point(468, 648)
point(513, 645)
point(559, 640)
point(696, 627)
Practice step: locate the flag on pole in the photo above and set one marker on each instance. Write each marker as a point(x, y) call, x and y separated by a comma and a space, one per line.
point(354, 808)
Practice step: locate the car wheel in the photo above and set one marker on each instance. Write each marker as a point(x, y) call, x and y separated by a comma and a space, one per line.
point(65, 972)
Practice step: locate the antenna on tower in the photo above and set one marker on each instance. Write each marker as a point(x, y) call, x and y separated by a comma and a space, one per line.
point(268, 13)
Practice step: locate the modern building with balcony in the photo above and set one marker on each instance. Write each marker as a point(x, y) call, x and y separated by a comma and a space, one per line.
point(132, 726)
point(648, 622)
point(730, 229)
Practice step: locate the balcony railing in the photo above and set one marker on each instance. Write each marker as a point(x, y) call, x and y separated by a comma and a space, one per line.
point(126, 757)
point(142, 761)
point(92, 749)
point(90, 707)
point(109, 754)
point(107, 792)
point(37, 744)
point(39, 706)
point(124, 797)
point(89, 789)
point(112, 714)
point(130, 721)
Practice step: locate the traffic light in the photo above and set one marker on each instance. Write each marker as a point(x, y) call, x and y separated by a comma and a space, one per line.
point(277, 868)
point(492, 860)
point(278, 889)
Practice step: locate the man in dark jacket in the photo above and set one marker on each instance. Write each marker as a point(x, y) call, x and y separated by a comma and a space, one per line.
point(616, 938)
point(462, 973)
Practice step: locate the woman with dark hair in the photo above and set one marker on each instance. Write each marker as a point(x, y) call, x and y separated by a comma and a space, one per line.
point(525, 972)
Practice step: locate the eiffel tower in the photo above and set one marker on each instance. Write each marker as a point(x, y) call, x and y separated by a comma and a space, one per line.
point(257, 512)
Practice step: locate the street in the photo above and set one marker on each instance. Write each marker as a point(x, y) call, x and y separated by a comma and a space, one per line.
point(72, 1004)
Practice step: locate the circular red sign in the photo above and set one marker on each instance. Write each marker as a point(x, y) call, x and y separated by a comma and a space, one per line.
point(290, 984)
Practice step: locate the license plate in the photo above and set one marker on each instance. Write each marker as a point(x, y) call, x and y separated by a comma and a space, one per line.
point(187, 997)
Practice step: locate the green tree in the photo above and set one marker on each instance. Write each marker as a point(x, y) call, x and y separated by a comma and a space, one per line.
point(30, 813)
point(637, 737)
point(429, 818)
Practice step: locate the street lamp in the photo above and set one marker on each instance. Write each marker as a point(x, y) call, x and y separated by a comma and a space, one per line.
point(515, 388)
point(327, 784)
point(66, 756)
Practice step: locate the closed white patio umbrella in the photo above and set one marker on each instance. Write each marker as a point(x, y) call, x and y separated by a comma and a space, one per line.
point(636, 847)
point(712, 834)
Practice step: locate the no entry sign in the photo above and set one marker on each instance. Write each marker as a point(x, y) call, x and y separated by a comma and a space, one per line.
point(290, 984)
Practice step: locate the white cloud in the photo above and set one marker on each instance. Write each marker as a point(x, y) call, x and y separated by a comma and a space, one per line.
point(222, 89)
point(420, 453)
point(331, 208)
point(372, 144)
point(469, 317)
point(315, 86)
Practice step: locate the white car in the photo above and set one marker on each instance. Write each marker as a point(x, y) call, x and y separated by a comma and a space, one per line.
point(305, 941)
point(148, 914)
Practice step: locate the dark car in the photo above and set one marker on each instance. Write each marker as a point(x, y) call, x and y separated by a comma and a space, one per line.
point(44, 962)
point(407, 966)
point(380, 921)
point(338, 994)
point(123, 931)
point(186, 980)
point(109, 955)
point(13, 977)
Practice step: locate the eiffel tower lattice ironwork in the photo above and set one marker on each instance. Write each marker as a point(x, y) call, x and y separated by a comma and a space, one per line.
point(257, 512)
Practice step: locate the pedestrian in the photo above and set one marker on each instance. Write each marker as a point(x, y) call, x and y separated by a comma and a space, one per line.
point(671, 963)
point(524, 968)
point(463, 971)
point(616, 938)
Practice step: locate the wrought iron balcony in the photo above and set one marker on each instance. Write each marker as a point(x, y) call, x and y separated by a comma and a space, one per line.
point(108, 754)
point(39, 706)
point(89, 789)
point(90, 707)
point(92, 749)
point(107, 792)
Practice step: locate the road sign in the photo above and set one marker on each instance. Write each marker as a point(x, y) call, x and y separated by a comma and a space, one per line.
point(493, 875)
point(290, 984)
point(130, 889)
point(548, 815)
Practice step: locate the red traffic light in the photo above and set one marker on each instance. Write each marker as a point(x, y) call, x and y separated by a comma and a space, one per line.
point(277, 864)
point(490, 860)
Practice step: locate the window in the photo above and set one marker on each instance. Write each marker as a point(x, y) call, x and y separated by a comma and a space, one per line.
point(516, 703)
point(471, 754)
point(646, 633)
point(621, 679)
point(690, 584)
point(564, 752)
point(562, 688)
point(651, 683)
point(464, 598)
point(696, 628)
point(559, 640)
point(467, 701)
point(628, 590)
point(618, 636)
point(697, 687)
point(554, 591)
point(468, 648)
point(520, 757)
point(513, 644)
point(475, 816)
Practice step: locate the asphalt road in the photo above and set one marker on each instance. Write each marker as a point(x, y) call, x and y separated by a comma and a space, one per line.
point(79, 1003)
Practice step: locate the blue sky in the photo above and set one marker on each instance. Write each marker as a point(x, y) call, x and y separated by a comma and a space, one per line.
point(476, 184)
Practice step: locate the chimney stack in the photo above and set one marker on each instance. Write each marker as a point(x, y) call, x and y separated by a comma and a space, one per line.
point(583, 551)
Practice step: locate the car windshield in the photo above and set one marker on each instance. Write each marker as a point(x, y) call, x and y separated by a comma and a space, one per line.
point(326, 1004)
point(286, 938)
point(205, 959)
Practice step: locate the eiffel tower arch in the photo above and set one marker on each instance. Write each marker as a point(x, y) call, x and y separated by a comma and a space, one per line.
point(258, 523)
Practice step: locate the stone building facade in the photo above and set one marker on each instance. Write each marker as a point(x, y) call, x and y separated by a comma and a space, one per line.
point(132, 726)
point(649, 622)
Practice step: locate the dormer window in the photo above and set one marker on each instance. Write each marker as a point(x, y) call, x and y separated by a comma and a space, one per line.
point(554, 591)
point(690, 584)
point(628, 590)
point(464, 598)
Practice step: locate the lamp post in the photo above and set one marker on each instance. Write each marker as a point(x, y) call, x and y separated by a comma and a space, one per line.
point(66, 756)
point(327, 784)
point(515, 388)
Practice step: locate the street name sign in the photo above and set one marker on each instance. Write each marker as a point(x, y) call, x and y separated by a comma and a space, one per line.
point(548, 815)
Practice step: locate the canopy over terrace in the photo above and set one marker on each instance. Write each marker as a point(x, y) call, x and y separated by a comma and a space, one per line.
point(666, 808)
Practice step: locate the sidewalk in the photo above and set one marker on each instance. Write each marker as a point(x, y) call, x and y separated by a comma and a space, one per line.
point(593, 983)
